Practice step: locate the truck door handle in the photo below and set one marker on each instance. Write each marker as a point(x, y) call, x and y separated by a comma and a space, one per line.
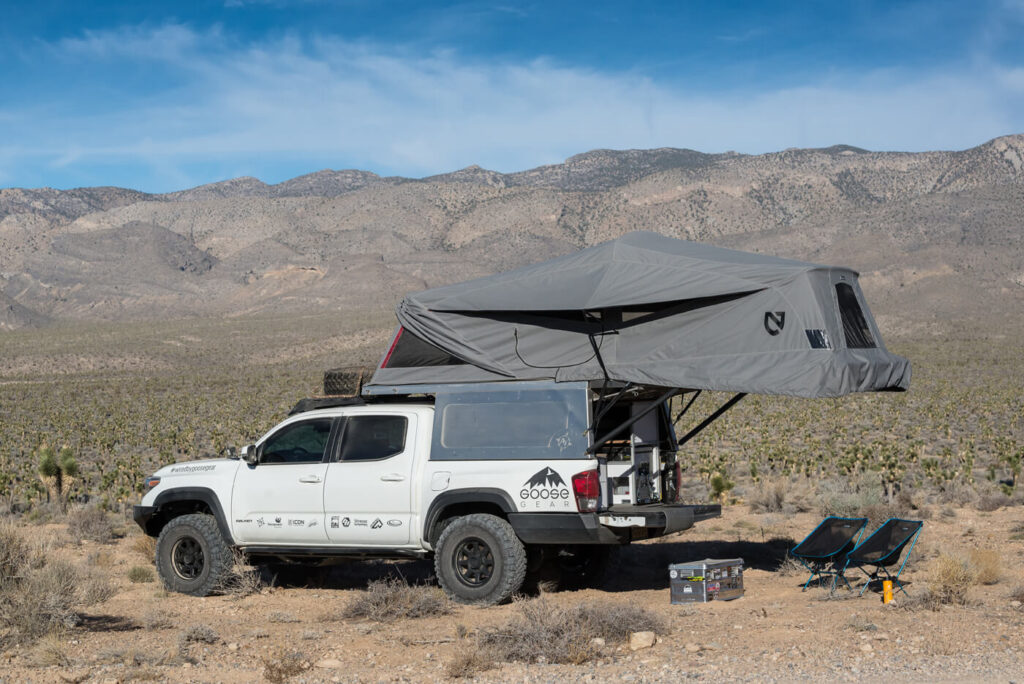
point(392, 477)
point(313, 479)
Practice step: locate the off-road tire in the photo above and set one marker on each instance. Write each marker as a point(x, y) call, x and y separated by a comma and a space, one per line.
point(467, 541)
point(192, 556)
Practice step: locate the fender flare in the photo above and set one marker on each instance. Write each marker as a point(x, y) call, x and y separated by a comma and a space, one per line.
point(488, 495)
point(204, 494)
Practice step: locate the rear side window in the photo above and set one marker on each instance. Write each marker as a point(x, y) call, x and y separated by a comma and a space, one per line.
point(855, 326)
point(373, 438)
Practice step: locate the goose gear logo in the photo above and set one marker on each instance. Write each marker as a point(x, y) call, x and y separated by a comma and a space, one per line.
point(544, 489)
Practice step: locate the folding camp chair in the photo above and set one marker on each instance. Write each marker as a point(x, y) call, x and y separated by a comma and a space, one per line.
point(823, 551)
point(883, 549)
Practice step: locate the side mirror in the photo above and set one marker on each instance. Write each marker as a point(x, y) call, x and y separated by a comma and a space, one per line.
point(250, 454)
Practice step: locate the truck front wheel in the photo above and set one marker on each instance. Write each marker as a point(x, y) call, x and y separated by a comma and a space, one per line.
point(479, 559)
point(192, 556)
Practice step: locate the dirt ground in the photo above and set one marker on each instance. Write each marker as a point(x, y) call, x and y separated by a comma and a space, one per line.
point(775, 632)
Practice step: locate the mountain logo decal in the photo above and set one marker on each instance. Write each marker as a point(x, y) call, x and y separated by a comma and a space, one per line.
point(544, 489)
point(545, 478)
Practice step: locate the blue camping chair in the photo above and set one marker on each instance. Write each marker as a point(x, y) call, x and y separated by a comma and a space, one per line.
point(824, 550)
point(882, 550)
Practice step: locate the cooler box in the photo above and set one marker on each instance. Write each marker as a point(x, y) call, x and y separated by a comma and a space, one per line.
point(708, 580)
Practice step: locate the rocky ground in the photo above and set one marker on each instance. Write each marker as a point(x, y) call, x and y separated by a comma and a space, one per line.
point(775, 632)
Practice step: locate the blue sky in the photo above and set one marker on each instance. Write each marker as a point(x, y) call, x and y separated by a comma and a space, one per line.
point(163, 96)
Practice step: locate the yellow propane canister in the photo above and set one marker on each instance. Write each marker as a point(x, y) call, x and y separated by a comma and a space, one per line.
point(887, 591)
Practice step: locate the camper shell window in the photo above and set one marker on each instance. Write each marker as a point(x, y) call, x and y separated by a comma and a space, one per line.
point(518, 421)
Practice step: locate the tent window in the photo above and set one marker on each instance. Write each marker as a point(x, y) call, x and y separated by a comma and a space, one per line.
point(411, 352)
point(855, 326)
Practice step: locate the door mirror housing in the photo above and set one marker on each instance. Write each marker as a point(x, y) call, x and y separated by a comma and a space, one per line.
point(250, 454)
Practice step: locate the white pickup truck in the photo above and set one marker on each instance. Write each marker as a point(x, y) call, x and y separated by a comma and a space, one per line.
point(492, 483)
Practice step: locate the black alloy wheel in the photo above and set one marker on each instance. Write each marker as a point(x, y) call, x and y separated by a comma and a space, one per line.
point(474, 562)
point(187, 559)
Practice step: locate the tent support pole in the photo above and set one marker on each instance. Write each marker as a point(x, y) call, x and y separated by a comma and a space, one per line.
point(687, 407)
point(602, 410)
point(710, 419)
point(633, 419)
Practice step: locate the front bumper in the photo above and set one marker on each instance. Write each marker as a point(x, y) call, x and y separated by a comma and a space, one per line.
point(142, 515)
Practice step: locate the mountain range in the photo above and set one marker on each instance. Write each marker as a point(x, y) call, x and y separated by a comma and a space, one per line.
point(937, 236)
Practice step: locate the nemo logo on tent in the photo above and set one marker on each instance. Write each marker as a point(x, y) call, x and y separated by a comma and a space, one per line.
point(774, 321)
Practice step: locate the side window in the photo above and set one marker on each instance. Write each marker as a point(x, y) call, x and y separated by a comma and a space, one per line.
point(855, 326)
point(302, 442)
point(372, 438)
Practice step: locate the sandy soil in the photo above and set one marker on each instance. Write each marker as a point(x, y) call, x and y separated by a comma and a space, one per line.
point(775, 632)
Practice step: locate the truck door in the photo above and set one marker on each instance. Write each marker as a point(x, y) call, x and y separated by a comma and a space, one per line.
point(280, 500)
point(368, 493)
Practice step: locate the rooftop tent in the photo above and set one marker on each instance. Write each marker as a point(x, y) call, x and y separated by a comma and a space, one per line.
point(650, 310)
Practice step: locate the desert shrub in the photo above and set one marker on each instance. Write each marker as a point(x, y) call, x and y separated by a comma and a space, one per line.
point(543, 632)
point(38, 595)
point(850, 497)
point(51, 650)
point(769, 497)
point(986, 565)
point(991, 502)
point(156, 619)
point(467, 663)
point(950, 579)
point(393, 599)
point(242, 580)
point(145, 547)
point(140, 574)
point(90, 522)
point(281, 617)
point(1017, 594)
point(790, 567)
point(203, 634)
point(281, 665)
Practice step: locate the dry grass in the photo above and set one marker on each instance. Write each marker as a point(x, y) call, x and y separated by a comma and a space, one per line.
point(203, 634)
point(393, 599)
point(950, 579)
point(283, 664)
point(281, 617)
point(243, 579)
point(51, 650)
point(140, 574)
point(986, 565)
point(468, 663)
point(1017, 594)
point(38, 595)
point(91, 523)
point(544, 632)
point(145, 547)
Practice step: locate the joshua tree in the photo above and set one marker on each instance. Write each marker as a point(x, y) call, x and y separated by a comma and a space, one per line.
point(57, 471)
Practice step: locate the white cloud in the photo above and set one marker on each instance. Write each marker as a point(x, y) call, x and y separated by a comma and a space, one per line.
point(387, 110)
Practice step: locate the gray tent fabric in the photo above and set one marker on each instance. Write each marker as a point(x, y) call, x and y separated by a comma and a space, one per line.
point(654, 311)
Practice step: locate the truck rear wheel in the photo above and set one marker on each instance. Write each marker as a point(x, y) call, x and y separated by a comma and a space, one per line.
point(478, 559)
point(192, 556)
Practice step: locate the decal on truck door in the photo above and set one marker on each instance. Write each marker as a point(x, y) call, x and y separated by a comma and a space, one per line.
point(544, 489)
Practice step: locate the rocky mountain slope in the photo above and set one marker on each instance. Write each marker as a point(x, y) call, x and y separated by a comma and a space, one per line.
point(938, 236)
